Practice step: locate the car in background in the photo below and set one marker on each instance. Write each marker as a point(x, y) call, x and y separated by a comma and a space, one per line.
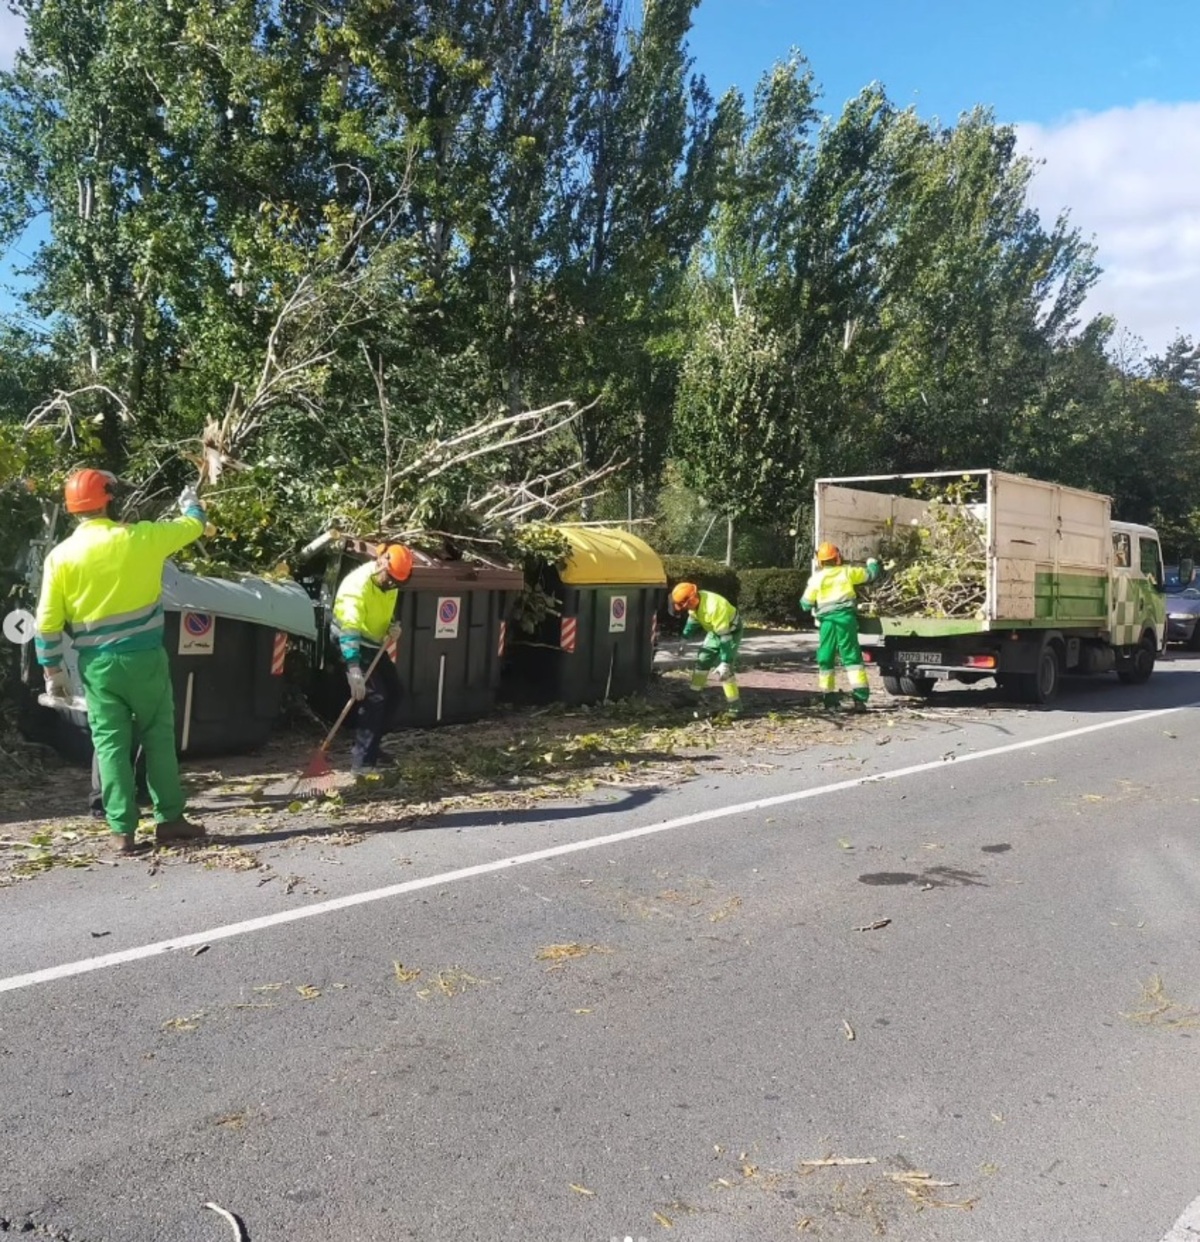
point(1183, 617)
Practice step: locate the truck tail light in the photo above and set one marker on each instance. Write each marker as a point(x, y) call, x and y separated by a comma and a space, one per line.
point(980, 661)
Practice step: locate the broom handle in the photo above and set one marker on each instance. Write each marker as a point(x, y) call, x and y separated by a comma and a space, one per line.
point(350, 702)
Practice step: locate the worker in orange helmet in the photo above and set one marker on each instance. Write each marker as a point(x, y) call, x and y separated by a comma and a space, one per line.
point(717, 619)
point(364, 618)
point(102, 589)
point(832, 597)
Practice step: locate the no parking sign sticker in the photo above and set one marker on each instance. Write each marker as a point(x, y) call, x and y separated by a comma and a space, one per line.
point(449, 609)
point(617, 609)
point(197, 633)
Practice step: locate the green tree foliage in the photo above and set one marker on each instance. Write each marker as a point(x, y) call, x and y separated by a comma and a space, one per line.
point(299, 245)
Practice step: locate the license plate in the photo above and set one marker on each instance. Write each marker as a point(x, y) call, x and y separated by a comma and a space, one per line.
point(919, 657)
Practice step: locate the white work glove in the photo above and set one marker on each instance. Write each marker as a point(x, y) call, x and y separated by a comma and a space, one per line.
point(394, 631)
point(358, 683)
point(189, 499)
point(58, 686)
point(724, 672)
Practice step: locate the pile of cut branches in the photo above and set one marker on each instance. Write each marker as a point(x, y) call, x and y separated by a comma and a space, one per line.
point(937, 568)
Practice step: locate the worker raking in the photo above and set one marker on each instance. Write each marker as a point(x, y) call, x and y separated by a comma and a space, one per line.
point(717, 619)
point(102, 588)
point(832, 597)
point(364, 618)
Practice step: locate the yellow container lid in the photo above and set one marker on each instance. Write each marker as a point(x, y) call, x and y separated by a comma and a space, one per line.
point(602, 557)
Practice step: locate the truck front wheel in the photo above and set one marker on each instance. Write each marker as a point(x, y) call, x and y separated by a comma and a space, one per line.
point(913, 687)
point(1136, 671)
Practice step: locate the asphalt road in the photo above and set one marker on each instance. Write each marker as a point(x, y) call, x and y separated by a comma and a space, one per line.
point(1023, 1031)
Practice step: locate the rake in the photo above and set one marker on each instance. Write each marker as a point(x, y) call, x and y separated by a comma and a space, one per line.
point(318, 775)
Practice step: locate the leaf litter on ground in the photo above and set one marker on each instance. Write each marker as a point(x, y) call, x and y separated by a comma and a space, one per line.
point(513, 761)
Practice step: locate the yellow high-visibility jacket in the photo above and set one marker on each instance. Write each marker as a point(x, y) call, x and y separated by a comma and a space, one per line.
point(715, 615)
point(362, 611)
point(103, 586)
point(832, 588)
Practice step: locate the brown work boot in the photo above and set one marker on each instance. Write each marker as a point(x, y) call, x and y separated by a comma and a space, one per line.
point(124, 843)
point(181, 829)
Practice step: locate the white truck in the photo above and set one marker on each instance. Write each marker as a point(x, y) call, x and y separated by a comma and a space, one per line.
point(1067, 588)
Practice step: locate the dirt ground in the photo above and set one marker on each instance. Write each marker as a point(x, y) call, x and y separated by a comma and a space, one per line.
point(512, 761)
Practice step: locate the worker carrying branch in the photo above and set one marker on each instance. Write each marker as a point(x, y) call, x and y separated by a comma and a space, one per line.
point(717, 619)
point(102, 587)
point(832, 597)
point(364, 612)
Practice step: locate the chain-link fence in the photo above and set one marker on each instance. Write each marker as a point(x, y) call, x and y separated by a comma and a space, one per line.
point(677, 522)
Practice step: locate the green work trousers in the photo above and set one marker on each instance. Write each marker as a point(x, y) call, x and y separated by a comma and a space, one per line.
point(839, 638)
point(716, 650)
point(130, 703)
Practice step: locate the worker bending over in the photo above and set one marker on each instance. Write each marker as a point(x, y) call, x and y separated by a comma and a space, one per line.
point(717, 619)
point(832, 597)
point(363, 620)
point(102, 586)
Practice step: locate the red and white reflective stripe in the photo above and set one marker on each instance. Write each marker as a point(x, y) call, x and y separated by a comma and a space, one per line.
point(568, 634)
point(392, 647)
point(278, 654)
point(503, 638)
point(654, 630)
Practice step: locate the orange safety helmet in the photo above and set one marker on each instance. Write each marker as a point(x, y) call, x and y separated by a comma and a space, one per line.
point(685, 597)
point(89, 491)
point(397, 560)
point(829, 554)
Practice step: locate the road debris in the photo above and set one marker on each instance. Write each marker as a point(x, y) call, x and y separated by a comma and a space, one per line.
point(830, 1162)
point(560, 953)
point(727, 910)
point(665, 1221)
point(234, 1222)
point(178, 1025)
point(203, 948)
point(850, 1035)
point(404, 974)
point(582, 1190)
point(1160, 1010)
point(921, 1187)
point(876, 926)
point(452, 982)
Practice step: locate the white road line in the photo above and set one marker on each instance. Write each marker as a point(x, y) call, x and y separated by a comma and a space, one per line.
point(87, 965)
point(1187, 1227)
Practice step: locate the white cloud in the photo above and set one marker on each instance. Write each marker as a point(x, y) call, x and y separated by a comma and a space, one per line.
point(1130, 178)
point(12, 36)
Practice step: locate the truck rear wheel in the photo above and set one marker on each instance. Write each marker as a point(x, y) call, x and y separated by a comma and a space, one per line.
point(1139, 667)
point(1042, 686)
point(913, 687)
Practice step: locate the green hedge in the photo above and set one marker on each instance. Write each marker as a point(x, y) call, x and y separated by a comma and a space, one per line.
point(707, 574)
point(772, 597)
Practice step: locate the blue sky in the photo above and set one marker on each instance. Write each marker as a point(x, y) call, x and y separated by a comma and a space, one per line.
point(1031, 60)
point(1106, 92)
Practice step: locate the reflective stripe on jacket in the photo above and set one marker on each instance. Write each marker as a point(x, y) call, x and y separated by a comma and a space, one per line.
point(103, 586)
point(362, 611)
point(832, 589)
point(714, 614)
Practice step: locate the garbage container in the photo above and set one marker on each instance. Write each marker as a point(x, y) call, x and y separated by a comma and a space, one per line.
point(602, 645)
point(454, 618)
point(226, 642)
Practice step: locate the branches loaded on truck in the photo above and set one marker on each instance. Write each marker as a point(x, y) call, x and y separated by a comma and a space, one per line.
point(1059, 586)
